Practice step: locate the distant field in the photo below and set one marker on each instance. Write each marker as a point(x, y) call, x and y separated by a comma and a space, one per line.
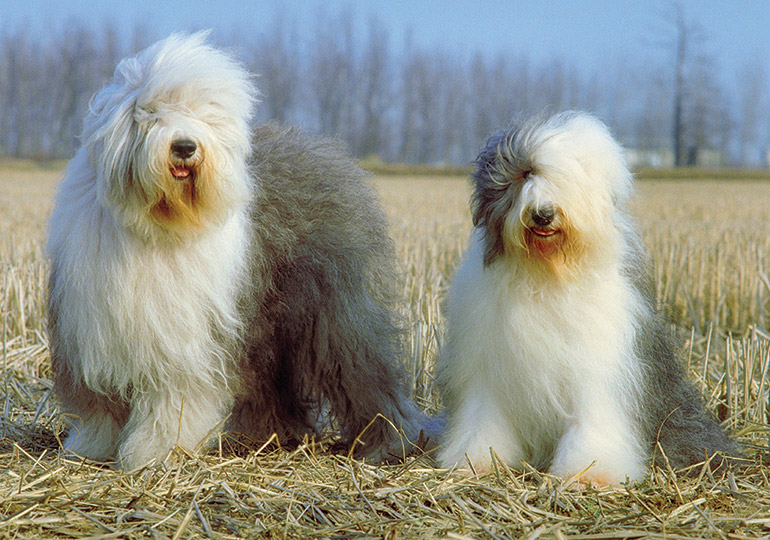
point(709, 241)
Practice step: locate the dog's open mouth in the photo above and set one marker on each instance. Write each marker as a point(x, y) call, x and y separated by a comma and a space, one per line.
point(181, 172)
point(543, 233)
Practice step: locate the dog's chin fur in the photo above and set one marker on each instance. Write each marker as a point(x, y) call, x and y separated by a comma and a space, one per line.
point(184, 289)
point(554, 353)
point(555, 253)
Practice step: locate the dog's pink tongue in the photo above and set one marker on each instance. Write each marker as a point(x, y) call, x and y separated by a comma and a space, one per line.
point(544, 232)
point(180, 172)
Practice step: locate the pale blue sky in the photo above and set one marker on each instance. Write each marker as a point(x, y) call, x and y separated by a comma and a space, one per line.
point(587, 33)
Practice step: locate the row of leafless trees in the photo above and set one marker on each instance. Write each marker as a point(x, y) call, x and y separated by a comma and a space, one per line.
point(406, 103)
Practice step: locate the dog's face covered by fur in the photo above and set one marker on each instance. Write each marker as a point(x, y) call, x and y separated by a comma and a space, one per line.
point(547, 192)
point(166, 135)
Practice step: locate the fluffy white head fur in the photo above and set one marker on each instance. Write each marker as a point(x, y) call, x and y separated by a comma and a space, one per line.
point(539, 354)
point(570, 167)
point(178, 89)
point(148, 243)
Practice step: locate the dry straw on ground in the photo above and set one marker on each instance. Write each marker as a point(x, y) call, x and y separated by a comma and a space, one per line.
point(711, 245)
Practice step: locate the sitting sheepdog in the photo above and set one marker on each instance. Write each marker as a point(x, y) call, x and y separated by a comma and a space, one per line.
point(192, 288)
point(554, 352)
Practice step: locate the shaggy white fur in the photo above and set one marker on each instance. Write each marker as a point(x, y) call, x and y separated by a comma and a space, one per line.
point(148, 243)
point(540, 362)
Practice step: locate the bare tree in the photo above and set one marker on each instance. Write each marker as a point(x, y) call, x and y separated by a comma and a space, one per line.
point(683, 38)
point(423, 87)
point(708, 123)
point(454, 142)
point(77, 79)
point(753, 111)
point(111, 51)
point(411, 67)
point(331, 73)
point(376, 92)
point(276, 60)
point(701, 115)
point(685, 41)
point(651, 117)
point(20, 61)
point(495, 94)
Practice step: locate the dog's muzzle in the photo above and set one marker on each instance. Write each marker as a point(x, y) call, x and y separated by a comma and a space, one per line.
point(181, 150)
point(543, 220)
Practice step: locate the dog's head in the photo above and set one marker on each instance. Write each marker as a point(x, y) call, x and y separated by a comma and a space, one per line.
point(549, 191)
point(168, 138)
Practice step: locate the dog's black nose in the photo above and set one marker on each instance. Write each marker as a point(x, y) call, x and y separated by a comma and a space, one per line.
point(543, 215)
point(183, 148)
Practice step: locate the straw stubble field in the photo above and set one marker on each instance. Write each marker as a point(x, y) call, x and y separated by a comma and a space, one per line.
point(710, 243)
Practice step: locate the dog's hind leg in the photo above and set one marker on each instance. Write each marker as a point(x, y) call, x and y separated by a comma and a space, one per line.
point(362, 384)
point(355, 357)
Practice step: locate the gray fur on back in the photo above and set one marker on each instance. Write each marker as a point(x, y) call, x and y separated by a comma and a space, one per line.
point(322, 325)
point(673, 412)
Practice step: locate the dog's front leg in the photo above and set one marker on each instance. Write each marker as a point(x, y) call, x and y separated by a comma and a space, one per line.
point(93, 436)
point(160, 422)
point(480, 424)
point(601, 434)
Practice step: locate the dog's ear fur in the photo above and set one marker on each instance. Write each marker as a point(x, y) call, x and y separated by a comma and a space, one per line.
point(494, 191)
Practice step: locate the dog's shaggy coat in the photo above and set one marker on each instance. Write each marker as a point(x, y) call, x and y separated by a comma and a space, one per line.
point(324, 323)
point(192, 288)
point(554, 351)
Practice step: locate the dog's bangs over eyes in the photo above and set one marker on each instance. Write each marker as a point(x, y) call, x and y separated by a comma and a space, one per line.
point(145, 113)
point(501, 171)
point(498, 169)
point(502, 163)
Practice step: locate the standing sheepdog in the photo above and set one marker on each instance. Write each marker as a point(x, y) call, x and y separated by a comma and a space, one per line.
point(554, 352)
point(192, 288)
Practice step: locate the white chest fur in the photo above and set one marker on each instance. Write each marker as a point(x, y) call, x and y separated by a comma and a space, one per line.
point(139, 315)
point(535, 360)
